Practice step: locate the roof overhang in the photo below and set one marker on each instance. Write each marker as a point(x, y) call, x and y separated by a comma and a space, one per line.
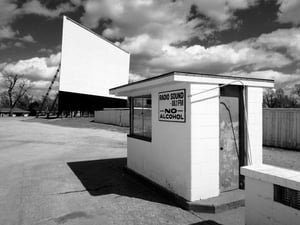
point(173, 77)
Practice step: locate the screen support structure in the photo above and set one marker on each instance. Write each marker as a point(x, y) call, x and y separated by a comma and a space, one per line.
point(47, 94)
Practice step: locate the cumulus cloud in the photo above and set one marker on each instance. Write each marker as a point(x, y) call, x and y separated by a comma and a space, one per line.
point(19, 44)
point(215, 59)
point(10, 44)
point(283, 80)
point(136, 17)
point(28, 38)
point(45, 50)
point(221, 10)
point(162, 20)
point(154, 32)
point(135, 77)
point(7, 32)
point(289, 11)
point(35, 7)
point(9, 11)
point(41, 84)
point(2, 65)
point(3, 46)
point(267, 74)
point(35, 69)
point(140, 12)
point(151, 30)
point(287, 39)
point(53, 60)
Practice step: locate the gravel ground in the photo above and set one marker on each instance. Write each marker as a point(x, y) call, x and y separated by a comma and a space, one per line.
point(282, 157)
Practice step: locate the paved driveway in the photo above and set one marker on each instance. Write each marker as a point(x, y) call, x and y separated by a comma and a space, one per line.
point(70, 172)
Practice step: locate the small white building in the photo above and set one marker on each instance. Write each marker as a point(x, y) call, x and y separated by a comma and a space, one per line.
point(190, 133)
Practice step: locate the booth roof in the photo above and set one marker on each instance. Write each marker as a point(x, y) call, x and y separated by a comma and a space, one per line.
point(179, 76)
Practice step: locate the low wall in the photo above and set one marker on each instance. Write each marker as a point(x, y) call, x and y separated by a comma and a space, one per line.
point(271, 195)
point(281, 128)
point(119, 117)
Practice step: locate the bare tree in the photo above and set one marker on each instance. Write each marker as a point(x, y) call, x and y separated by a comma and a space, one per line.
point(296, 89)
point(278, 99)
point(16, 88)
point(269, 98)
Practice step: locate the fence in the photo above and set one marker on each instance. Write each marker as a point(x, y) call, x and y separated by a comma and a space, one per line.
point(118, 117)
point(281, 128)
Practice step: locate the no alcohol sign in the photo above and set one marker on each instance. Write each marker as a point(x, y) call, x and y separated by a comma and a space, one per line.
point(171, 105)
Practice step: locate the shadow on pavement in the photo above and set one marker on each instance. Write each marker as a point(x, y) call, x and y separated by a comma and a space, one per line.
point(107, 176)
point(77, 123)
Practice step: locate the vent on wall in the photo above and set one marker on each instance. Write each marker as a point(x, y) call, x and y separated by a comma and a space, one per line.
point(287, 196)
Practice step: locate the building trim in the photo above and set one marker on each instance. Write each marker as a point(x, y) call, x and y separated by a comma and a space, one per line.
point(177, 76)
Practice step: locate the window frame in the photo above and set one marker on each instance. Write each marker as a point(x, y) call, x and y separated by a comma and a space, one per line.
point(131, 119)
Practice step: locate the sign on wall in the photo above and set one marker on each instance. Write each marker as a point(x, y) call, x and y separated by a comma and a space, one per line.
point(171, 106)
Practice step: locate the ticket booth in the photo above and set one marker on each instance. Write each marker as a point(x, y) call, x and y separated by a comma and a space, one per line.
point(190, 133)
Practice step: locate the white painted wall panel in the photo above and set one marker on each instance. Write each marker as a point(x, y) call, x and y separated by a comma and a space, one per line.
point(254, 107)
point(184, 157)
point(259, 195)
point(204, 141)
point(89, 63)
point(166, 159)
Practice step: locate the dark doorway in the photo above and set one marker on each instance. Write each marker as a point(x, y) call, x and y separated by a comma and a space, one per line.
point(232, 150)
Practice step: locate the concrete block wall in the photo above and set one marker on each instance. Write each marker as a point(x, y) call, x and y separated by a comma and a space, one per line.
point(261, 209)
point(204, 141)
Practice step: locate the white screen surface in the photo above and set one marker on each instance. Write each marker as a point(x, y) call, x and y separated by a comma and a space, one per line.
point(89, 63)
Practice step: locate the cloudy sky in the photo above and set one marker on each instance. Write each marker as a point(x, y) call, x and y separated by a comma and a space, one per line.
point(258, 38)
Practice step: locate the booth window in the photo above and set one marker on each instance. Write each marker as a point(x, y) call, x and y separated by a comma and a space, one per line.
point(140, 118)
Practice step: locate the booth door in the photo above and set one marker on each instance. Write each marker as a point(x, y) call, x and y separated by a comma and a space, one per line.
point(229, 138)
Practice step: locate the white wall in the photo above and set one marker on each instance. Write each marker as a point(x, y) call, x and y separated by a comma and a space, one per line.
point(166, 159)
point(261, 209)
point(115, 117)
point(204, 141)
point(254, 107)
point(184, 157)
point(90, 64)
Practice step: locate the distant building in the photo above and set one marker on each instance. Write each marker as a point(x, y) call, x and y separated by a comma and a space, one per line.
point(15, 112)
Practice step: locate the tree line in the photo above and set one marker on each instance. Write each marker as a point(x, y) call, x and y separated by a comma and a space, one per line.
point(277, 98)
point(16, 94)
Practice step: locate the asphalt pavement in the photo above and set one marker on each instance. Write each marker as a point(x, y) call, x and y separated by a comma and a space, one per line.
point(70, 171)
